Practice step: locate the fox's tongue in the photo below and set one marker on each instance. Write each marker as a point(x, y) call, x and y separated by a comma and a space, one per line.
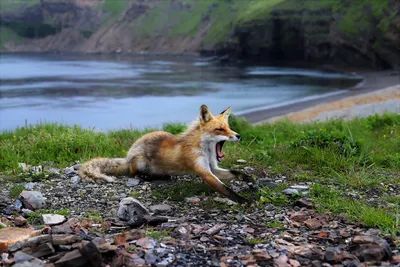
point(219, 152)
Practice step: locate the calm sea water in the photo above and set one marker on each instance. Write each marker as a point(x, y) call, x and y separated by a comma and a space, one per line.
point(113, 92)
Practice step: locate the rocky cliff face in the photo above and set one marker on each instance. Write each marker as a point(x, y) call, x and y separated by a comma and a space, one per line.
point(335, 33)
point(321, 36)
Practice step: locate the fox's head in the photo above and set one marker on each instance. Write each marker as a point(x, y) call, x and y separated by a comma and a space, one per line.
point(216, 129)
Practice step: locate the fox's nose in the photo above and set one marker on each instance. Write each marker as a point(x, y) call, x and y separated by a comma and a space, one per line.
point(238, 137)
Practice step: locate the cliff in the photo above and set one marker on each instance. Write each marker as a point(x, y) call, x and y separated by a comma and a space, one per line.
point(361, 34)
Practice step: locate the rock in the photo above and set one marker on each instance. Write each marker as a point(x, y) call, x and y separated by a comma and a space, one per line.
point(332, 255)
point(70, 171)
point(54, 171)
point(32, 200)
point(225, 201)
point(294, 263)
point(23, 167)
point(91, 252)
point(300, 187)
point(75, 179)
point(281, 261)
point(12, 235)
point(65, 239)
point(40, 250)
point(33, 263)
point(20, 221)
point(53, 219)
point(37, 240)
point(103, 245)
point(154, 220)
point(16, 246)
point(313, 224)
point(241, 161)
point(133, 182)
point(132, 212)
point(267, 183)
point(62, 229)
point(290, 191)
point(192, 199)
point(20, 256)
point(299, 216)
point(304, 203)
point(77, 167)
point(4, 201)
point(371, 248)
point(72, 259)
point(29, 186)
point(166, 262)
point(160, 208)
point(146, 242)
point(215, 229)
point(17, 205)
point(36, 169)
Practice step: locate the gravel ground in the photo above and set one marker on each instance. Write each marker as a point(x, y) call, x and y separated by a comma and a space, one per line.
point(203, 230)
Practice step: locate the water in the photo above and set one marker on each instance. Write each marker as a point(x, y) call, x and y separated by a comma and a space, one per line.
point(113, 92)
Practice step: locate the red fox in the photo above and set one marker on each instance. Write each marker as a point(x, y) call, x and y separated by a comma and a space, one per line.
point(198, 150)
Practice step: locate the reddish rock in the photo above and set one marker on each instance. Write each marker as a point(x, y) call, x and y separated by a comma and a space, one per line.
point(299, 216)
point(11, 235)
point(20, 221)
point(313, 224)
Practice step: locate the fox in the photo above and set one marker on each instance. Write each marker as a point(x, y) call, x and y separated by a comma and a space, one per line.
point(198, 150)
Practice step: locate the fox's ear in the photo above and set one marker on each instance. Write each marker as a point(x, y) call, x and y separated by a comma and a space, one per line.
point(205, 114)
point(226, 113)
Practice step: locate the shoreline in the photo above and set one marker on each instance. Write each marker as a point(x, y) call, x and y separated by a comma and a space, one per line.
point(373, 82)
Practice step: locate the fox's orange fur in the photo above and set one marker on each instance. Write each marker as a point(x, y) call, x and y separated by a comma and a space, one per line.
point(197, 150)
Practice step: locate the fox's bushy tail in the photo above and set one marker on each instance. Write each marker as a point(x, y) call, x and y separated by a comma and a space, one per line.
point(104, 169)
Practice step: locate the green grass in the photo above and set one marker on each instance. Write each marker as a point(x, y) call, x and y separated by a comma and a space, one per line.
point(359, 154)
point(158, 235)
point(16, 190)
point(332, 200)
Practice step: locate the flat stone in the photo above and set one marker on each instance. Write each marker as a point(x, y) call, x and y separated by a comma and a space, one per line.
point(70, 171)
point(16, 246)
point(299, 216)
point(54, 171)
point(313, 224)
point(37, 240)
point(20, 256)
point(300, 187)
point(53, 219)
point(192, 199)
point(304, 203)
point(77, 166)
point(160, 208)
point(241, 161)
point(225, 201)
point(290, 191)
point(133, 182)
point(62, 229)
point(75, 179)
point(146, 242)
point(64, 239)
point(32, 200)
point(72, 259)
point(40, 250)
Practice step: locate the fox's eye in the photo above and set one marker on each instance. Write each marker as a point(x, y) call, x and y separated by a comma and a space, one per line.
point(220, 129)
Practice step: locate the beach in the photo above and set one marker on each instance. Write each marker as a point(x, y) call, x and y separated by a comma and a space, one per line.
point(379, 92)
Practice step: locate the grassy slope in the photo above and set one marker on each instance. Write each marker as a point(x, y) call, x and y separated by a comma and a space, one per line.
point(361, 154)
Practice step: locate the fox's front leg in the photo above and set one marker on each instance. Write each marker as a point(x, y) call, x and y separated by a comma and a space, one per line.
point(225, 174)
point(218, 186)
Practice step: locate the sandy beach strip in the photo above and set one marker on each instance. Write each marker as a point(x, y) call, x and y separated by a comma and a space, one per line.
point(379, 92)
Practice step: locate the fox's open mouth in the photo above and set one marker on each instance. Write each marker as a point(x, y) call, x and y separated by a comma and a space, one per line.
point(218, 148)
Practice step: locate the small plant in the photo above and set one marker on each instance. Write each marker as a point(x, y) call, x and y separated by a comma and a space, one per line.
point(254, 241)
point(16, 190)
point(275, 224)
point(135, 194)
point(158, 235)
point(34, 217)
point(94, 216)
